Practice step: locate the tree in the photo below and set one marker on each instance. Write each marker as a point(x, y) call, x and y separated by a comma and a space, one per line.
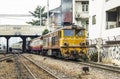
point(38, 11)
point(45, 31)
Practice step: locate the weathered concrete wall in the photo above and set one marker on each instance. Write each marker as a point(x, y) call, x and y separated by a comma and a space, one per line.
point(21, 30)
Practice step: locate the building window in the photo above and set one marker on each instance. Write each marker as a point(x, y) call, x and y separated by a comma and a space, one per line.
point(83, 9)
point(113, 18)
point(94, 19)
point(85, 6)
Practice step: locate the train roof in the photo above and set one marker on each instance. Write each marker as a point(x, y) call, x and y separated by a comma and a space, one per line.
point(35, 38)
point(65, 27)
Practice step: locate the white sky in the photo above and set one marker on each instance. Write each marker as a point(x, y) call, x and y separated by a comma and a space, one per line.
point(21, 7)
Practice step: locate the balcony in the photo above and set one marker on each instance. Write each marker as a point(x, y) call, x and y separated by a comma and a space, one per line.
point(81, 15)
point(110, 4)
point(113, 18)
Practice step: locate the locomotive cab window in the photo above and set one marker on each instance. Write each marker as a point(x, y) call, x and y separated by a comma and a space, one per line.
point(79, 33)
point(68, 32)
point(59, 34)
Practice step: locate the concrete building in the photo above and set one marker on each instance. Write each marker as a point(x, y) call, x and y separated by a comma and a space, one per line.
point(81, 13)
point(21, 30)
point(71, 11)
point(104, 29)
point(55, 18)
point(104, 18)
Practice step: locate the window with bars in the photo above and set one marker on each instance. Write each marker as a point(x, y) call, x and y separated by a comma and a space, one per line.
point(85, 6)
point(94, 19)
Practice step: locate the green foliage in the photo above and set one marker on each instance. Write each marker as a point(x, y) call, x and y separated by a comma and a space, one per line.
point(45, 31)
point(94, 57)
point(36, 15)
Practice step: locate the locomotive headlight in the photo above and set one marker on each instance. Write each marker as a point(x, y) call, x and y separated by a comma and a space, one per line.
point(66, 44)
point(82, 43)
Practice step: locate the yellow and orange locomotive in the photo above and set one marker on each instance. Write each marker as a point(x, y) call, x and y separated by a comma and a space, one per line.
point(67, 42)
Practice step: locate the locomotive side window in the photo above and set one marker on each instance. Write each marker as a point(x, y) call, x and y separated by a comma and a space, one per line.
point(53, 40)
point(44, 40)
point(68, 32)
point(79, 33)
point(59, 34)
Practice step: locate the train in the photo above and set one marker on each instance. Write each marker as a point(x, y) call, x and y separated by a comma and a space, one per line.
point(16, 47)
point(35, 45)
point(67, 42)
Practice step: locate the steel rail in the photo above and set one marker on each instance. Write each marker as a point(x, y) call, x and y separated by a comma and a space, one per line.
point(102, 66)
point(5, 58)
point(42, 68)
point(19, 68)
point(29, 70)
point(96, 65)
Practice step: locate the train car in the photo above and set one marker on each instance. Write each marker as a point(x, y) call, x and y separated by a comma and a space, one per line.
point(2, 48)
point(36, 45)
point(17, 47)
point(68, 42)
point(28, 49)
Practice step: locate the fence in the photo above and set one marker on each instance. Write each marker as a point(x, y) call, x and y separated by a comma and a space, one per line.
point(108, 47)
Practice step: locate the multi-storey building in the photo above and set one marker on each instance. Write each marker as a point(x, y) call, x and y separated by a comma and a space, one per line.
point(71, 11)
point(104, 23)
point(80, 12)
point(55, 18)
point(104, 18)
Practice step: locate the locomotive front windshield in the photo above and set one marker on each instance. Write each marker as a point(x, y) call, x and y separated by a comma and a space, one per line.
point(68, 32)
point(79, 33)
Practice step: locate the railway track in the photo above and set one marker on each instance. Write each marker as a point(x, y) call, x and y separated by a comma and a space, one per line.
point(101, 66)
point(37, 71)
point(95, 65)
point(22, 72)
point(5, 57)
point(52, 72)
point(20, 67)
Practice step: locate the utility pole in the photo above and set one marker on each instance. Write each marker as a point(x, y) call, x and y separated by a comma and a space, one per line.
point(100, 36)
point(48, 15)
point(40, 16)
point(73, 11)
point(99, 46)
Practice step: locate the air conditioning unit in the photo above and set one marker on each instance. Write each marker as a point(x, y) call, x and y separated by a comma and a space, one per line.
point(111, 24)
point(77, 16)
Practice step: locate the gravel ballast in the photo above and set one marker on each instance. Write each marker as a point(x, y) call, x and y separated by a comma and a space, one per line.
point(74, 69)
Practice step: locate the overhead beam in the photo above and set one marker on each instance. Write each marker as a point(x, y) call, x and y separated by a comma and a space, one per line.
point(15, 15)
